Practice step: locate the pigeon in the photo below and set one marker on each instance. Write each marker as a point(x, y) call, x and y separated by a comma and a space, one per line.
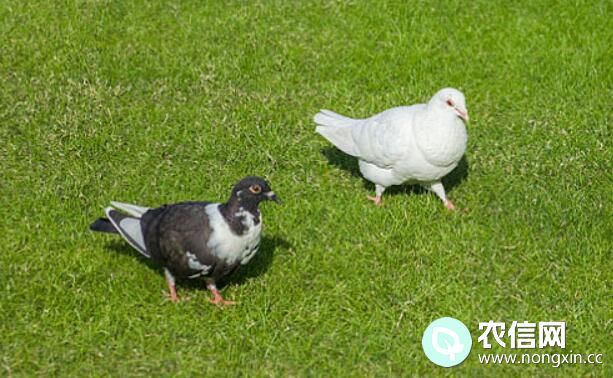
point(195, 239)
point(417, 144)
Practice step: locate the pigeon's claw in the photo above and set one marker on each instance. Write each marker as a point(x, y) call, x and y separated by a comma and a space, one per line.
point(376, 199)
point(217, 298)
point(172, 296)
point(449, 205)
point(219, 301)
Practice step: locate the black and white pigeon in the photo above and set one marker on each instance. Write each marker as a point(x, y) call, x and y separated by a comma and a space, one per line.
point(419, 144)
point(195, 239)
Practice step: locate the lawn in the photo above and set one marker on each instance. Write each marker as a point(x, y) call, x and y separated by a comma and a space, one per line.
point(154, 102)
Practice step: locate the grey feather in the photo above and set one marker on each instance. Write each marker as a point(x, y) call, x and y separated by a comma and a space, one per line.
point(129, 228)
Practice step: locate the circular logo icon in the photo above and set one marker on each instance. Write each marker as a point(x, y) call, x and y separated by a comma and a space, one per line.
point(447, 342)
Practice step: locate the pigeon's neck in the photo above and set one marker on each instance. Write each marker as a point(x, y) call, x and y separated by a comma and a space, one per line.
point(436, 108)
point(240, 215)
point(441, 118)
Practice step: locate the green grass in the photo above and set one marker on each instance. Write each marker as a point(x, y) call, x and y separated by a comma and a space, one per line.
point(155, 102)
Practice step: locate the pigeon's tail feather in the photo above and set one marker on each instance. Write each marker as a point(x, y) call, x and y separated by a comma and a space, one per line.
point(129, 228)
point(337, 129)
point(327, 117)
point(103, 225)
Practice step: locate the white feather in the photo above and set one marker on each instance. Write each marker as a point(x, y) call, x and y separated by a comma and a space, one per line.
point(337, 129)
point(134, 210)
point(193, 263)
point(225, 244)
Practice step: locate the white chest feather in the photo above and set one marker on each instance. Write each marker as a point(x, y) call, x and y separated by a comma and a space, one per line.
point(228, 246)
point(441, 139)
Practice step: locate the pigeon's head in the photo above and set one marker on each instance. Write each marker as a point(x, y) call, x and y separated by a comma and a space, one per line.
point(452, 100)
point(253, 190)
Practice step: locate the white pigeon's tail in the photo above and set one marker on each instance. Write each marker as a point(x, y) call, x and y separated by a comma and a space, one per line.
point(337, 129)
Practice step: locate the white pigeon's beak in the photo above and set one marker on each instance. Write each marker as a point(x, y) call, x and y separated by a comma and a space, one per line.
point(462, 114)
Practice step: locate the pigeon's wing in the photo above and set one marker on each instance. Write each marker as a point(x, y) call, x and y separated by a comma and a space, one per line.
point(383, 139)
point(177, 236)
point(129, 228)
point(134, 210)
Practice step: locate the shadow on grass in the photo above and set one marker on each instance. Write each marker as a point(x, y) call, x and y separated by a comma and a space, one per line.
point(260, 263)
point(257, 266)
point(350, 164)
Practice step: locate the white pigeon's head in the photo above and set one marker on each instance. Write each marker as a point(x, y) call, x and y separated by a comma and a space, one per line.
point(451, 100)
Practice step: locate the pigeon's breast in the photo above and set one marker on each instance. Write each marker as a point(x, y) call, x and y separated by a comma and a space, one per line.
point(227, 245)
point(441, 141)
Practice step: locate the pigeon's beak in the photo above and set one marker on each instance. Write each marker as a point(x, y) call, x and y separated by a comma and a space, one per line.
point(273, 197)
point(462, 114)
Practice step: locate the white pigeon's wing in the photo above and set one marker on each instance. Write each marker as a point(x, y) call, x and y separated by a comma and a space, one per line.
point(383, 139)
point(134, 210)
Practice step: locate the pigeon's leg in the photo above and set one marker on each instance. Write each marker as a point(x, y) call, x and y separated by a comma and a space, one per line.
point(439, 190)
point(378, 193)
point(172, 290)
point(217, 298)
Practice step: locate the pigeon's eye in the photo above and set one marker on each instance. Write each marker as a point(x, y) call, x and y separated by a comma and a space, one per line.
point(255, 189)
point(449, 102)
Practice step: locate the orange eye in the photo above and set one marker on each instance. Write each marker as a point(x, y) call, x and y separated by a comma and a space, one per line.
point(255, 189)
point(449, 102)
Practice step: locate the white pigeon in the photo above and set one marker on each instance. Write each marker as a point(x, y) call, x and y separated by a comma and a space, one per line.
point(408, 144)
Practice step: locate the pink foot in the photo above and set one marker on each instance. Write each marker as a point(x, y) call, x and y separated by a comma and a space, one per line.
point(172, 290)
point(377, 200)
point(217, 298)
point(172, 294)
point(221, 302)
point(449, 205)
